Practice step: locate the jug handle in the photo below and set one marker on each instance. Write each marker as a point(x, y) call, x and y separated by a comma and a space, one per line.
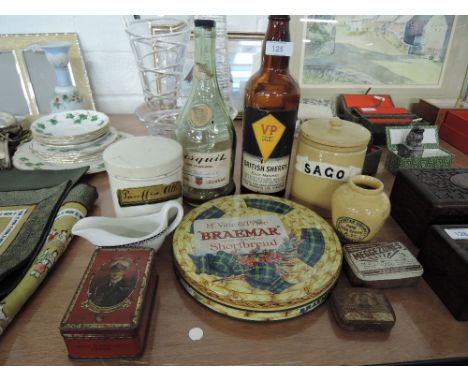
point(180, 214)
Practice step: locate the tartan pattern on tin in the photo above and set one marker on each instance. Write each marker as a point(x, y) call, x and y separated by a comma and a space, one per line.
point(312, 246)
point(210, 213)
point(268, 205)
point(264, 276)
point(261, 275)
point(221, 264)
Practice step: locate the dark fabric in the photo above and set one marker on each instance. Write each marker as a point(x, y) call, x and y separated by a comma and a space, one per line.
point(84, 194)
point(28, 240)
point(22, 188)
point(19, 180)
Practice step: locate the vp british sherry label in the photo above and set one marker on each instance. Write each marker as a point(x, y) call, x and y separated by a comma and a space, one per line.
point(267, 146)
point(264, 176)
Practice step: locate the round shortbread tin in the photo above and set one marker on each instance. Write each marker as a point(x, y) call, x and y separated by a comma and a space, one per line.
point(256, 257)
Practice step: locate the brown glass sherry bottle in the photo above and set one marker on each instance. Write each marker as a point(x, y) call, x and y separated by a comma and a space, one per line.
point(270, 114)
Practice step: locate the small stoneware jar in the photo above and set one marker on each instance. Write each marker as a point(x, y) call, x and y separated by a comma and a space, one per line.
point(359, 209)
point(329, 152)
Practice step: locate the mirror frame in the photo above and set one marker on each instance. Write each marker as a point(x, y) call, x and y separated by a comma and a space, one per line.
point(18, 43)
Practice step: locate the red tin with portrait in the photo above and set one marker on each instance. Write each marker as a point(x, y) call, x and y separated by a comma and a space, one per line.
point(109, 314)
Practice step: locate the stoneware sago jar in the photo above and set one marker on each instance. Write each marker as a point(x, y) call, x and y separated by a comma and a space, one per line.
point(329, 152)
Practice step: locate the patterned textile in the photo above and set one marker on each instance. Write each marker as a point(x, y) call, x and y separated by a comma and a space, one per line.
point(312, 246)
point(265, 277)
point(210, 213)
point(268, 205)
point(220, 264)
point(262, 270)
point(75, 206)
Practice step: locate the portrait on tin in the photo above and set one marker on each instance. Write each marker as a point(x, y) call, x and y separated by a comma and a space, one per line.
point(113, 284)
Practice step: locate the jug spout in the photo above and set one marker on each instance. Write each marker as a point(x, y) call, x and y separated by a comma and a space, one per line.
point(137, 231)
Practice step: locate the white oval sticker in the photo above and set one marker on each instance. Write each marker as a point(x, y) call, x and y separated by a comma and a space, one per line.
point(279, 48)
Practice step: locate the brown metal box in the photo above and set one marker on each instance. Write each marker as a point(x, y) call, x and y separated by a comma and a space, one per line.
point(362, 309)
point(424, 197)
point(109, 314)
point(444, 256)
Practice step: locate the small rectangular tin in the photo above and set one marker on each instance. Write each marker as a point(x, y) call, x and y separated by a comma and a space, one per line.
point(109, 314)
point(362, 309)
point(381, 265)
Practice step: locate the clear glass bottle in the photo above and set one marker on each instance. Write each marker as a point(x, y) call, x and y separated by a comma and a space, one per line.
point(204, 127)
point(223, 70)
point(270, 114)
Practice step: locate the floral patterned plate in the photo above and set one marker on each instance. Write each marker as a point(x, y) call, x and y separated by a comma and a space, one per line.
point(25, 159)
point(85, 150)
point(70, 127)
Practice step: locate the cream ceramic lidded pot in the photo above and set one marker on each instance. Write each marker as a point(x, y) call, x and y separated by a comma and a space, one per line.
point(329, 152)
point(144, 173)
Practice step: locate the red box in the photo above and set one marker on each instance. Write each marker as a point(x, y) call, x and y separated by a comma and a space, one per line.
point(454, 129)
point(373, 111)
point(109, 314)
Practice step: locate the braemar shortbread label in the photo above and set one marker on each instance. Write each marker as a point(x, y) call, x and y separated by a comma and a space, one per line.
point(158, 193)
point(207, 170)
point(240, 235)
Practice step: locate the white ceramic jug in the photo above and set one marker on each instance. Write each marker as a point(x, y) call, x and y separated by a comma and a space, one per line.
point(137, 231)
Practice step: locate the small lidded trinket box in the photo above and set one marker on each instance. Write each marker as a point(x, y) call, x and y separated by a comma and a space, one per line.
point(109, 314)
point(362, 309)
point(410, 147)
point(381, 265)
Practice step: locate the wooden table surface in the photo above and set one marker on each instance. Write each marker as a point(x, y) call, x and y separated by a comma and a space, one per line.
point(424, 329)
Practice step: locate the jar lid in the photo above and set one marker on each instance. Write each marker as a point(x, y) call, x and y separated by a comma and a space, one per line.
point(335, 132)
point(143, 157)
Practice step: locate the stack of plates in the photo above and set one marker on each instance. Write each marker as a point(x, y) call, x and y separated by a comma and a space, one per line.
point(67, 140)
point(256, 257)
